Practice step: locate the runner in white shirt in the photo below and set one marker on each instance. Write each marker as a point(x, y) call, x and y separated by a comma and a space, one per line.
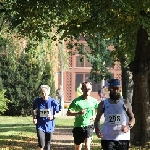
point(119, 119)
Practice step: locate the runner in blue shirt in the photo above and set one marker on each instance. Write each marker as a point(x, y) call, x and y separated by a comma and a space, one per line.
point(44, 110)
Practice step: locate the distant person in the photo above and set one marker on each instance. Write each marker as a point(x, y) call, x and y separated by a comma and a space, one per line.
point(83, 108)
point(60, 94)
point(44, 111)
point(79, 90)
point(99, 94)
point(103, 95)
point(118, 120)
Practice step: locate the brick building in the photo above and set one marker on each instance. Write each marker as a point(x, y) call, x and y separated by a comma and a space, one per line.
point(80, 72)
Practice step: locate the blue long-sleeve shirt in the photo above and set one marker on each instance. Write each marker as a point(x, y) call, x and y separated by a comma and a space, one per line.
point(45, 108)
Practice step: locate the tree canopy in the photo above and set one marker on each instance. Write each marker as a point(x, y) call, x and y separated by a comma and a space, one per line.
point(117, 19)
point(124, 21)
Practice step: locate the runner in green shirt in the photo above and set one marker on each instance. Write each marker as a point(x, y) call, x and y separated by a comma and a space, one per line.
point(83, 108)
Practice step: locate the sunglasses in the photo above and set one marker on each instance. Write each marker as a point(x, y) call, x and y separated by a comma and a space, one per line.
point(114, 88)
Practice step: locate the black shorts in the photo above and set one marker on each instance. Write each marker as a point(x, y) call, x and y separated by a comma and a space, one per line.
point(80, 133)
point(115, 145)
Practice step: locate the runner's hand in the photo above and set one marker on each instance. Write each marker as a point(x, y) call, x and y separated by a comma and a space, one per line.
point(93, 118)
point(82, 112)
point(34, 121)
point(99, 135)
point(125, 128)
point(51, 117)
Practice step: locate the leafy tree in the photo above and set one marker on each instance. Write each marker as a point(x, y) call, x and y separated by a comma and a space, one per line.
point(48, 78)
point(3, 101)
point(129, 22)
point(22, 16)
point(126, 20)
point(21, 84)
point(21, 79)
point(23, 74)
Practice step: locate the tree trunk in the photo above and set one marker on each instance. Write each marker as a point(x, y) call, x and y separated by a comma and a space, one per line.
point(127, 84)
point(140, 68)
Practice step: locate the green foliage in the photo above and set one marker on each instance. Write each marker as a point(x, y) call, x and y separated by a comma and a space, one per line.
point(48, 78)
point(22, 77)
point(23, 70)
point(3, 102)
point(22, 16)
point(1, 84)
point(111, 19)
point(21, 82)
point(117, 20)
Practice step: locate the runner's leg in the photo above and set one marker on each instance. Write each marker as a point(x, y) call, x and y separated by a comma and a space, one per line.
point(79, 137)
point(41, 138)
point(88, 136)
point(88, 143)
point(48, 138)
point(78, 147)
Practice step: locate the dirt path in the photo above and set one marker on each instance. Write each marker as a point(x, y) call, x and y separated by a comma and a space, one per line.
point(62, 139)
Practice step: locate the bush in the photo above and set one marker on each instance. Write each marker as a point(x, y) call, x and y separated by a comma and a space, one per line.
point(3, 102)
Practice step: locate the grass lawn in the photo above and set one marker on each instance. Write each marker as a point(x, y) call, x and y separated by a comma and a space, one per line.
point(18, 133)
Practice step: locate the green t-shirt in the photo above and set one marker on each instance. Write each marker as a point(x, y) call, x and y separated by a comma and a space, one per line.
point(89, 105)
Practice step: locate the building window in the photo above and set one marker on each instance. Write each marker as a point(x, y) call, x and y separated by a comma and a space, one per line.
point(81, 61)
point(87, 64)
point(79, 79)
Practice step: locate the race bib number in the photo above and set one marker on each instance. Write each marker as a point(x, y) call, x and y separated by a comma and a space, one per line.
point(44, 112)
point(114, 119)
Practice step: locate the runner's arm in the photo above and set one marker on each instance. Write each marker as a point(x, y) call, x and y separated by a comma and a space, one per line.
point(98, 117)
point(34, 113)
point(130, 114)
point(73, 113)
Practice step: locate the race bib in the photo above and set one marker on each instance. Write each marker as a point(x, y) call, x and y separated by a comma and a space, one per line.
point(44, 112)
point(114, 119)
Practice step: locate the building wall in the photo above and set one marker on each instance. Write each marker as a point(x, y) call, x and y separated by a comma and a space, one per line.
point(70, 80)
